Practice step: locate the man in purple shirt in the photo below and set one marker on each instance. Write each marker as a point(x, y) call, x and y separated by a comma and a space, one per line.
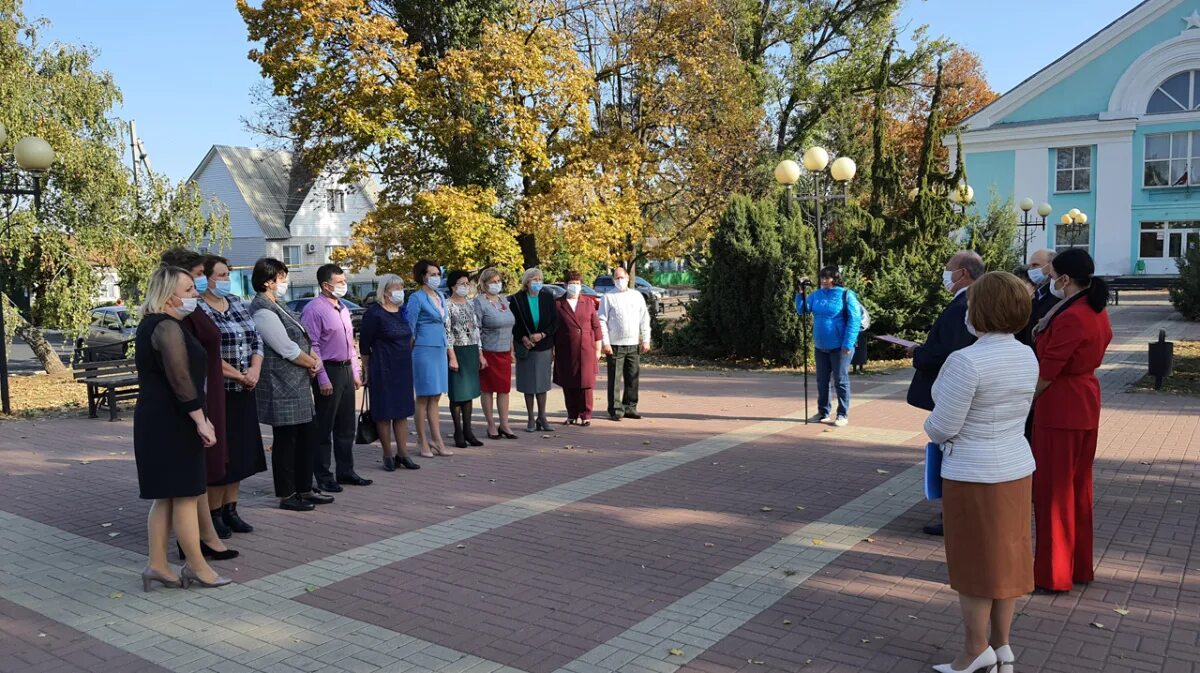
point(332, 335)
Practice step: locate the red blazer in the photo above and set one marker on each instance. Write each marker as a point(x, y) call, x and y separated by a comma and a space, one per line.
point(575, 363)
point(1068, 352)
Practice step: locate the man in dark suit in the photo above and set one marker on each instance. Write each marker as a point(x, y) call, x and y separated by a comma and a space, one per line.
point(1043, 300)
point(949, 334)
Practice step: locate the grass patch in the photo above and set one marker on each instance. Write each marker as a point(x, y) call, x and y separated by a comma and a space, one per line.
point(40, 395)
point(1185, 380)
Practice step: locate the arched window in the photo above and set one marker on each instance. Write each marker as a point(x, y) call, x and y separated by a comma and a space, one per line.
point(1180, 93)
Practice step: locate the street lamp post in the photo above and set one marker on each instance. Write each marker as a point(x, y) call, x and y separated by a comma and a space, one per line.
point(816, 160)
point(32, 156)
point(1073, 221)
point(1029, 222)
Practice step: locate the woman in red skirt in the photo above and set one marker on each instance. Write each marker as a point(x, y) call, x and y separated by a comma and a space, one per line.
point(1070, 343)
point(495, 329)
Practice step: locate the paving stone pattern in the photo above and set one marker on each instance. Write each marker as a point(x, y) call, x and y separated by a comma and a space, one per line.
point(719, 534)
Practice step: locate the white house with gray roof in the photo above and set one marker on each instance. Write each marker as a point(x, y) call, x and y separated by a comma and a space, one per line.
point(277, 208)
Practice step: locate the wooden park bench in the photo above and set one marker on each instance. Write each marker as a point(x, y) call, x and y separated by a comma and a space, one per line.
point(109, 380)
point(1118, 283)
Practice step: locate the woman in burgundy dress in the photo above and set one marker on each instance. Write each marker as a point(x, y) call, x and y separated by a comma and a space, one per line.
point(577, 350)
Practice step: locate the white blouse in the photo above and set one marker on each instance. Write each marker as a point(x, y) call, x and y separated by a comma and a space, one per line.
point(981, 399)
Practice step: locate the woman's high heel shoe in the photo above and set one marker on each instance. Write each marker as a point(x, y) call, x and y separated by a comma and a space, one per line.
point(407, 463)
point(1005, 659)
point(984, 663)
point(209, 552)
point(187, 577)
point(149, 576)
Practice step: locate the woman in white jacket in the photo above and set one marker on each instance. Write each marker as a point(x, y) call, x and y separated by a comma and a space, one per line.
point(981, 398)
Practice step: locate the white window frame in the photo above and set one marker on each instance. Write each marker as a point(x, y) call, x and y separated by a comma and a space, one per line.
point(335, 199)
point(1074, 170)
point(329, 252)
point(1193, 102)
point(299, 255)
point(1190, 156)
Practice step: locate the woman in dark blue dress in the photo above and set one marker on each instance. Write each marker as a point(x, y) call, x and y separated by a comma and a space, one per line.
point(386, 348)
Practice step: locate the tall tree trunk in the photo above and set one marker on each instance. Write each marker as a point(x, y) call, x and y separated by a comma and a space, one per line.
point(529, 252)
point(16, 324)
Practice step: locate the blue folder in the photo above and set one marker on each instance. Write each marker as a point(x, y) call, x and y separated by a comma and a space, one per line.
point(933, 471)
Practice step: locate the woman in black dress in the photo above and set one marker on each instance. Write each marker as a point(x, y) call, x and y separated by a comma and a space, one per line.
point(385, 344)
point(170, 429)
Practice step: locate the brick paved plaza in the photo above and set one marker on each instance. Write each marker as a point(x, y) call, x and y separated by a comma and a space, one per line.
point(719, 534)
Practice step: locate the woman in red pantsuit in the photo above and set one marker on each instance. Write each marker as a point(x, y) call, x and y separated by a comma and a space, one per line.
point(1070, 344)
point(577, 350)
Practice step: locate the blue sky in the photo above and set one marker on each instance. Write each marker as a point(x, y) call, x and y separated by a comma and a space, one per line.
point(182, 64)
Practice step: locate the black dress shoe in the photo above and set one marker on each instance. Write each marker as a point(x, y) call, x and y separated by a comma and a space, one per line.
point(389, 464)
point(614, 417)
point(407, 463)
point(209, 552)
point(934, 529)
point(329, 486)
point(1043, 591)
point(316, 498)
point(234, 520)
point(296, 504)
point(507, 435)
point(634, 415)
point(219, 525)
point(354, 480)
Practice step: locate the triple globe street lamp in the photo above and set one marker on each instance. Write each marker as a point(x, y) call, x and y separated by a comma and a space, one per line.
point(816, 160)
point(30, 160)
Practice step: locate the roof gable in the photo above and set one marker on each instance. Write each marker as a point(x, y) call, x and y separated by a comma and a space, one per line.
point(273, 185)
point(1081, 82)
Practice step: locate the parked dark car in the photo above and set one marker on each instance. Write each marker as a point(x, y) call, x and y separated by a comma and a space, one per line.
point(560, 289)
point(108, 335)
point(652, 294)
point(356, 311)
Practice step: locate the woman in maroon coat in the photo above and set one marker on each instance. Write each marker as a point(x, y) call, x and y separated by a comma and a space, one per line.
point(577, 350)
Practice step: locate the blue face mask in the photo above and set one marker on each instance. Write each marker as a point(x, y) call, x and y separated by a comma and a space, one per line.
point(201, 284)
point(224, 288)
point(535, 287)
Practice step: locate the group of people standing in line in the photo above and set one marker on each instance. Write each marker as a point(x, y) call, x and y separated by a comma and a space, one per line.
point(209, 377)
point(1008, 375)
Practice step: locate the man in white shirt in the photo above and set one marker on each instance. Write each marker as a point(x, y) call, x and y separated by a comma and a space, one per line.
point(625, 331)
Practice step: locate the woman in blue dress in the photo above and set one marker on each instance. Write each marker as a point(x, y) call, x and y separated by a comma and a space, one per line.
point(385, 343)
point(430, 323)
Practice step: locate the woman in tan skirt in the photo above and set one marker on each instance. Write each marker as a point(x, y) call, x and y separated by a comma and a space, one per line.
point(981, 397)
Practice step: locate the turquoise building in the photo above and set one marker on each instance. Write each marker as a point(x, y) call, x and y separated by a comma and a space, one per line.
point(1111, 128)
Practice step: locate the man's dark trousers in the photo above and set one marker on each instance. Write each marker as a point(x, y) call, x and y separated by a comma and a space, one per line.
point(624, 366)
point(336, 422)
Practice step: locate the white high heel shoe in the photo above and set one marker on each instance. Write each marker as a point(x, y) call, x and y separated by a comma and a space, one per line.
point(1005, 659)
point(984, 663)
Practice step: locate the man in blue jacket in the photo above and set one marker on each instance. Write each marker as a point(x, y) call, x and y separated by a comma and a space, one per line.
point(837, 320)
point(949, 334)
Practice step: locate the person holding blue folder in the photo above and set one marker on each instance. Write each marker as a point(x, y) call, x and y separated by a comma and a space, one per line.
point(981, 398)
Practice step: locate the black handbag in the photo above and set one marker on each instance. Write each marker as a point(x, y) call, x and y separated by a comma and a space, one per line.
point(366, 433)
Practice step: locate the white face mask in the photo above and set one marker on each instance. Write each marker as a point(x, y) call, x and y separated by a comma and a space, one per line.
point(948, 280)
point(967, 322)
point(494, 288)
point(281, 288)
point(622, 284)
point(434, 282)
point(573, 289)
point(461, 290)
point(1037, 276)
point(339, 291)
point(397, 297)
point(1060, 292)
point(189, 305)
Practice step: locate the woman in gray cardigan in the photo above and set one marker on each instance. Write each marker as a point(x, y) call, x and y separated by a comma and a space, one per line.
point(284, 395)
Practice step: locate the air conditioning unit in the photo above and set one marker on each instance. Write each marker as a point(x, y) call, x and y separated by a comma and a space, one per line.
point(310, 248)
